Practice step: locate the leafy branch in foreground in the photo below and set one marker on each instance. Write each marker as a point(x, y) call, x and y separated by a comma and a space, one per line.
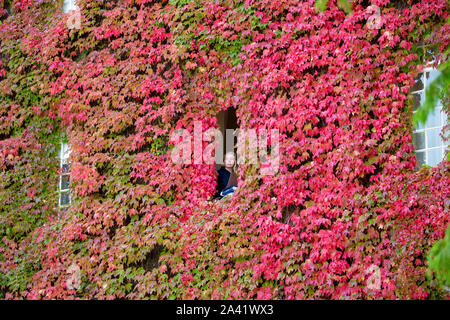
point(439, 260)
point(438, 88)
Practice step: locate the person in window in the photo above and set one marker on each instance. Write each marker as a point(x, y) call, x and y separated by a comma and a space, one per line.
point(226, 178)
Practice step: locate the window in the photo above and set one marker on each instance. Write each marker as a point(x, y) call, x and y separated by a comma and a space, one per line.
point(430, 148)
point(226, 119)
point(69, 5)
point(64, 178)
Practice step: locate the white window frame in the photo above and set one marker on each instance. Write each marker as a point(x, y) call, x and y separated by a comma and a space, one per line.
point(423, 127)
point(64, 155)
point(69, 5)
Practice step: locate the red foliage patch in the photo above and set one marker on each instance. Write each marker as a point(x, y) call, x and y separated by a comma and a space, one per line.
point(347, 199)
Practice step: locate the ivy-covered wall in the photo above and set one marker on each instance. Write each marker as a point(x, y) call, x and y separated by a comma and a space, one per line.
point(347, 198)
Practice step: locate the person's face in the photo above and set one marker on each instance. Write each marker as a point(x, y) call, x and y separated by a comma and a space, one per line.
point(229, 160)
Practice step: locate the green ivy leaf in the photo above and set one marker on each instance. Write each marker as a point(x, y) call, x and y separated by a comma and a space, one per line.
point(321, 5)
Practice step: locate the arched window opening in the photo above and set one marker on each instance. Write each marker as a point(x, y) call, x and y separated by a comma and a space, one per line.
point(227, 120)
point(226, 159)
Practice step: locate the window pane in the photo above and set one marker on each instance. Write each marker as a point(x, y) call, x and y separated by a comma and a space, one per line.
point(65, 182)
point(434, 157)
point(66, 168)
point(65, 152)
point(433, 138)
point(64, 198)
point(433, 74)
point(434, 119)
point(419, 140)
point(417, 99)
point(419, 83)
point(420, 156)
point(64, 148)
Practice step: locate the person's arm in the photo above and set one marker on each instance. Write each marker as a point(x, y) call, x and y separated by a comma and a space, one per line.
point(232, 180)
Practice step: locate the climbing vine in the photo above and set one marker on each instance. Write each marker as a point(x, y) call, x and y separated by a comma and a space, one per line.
point(347, 198)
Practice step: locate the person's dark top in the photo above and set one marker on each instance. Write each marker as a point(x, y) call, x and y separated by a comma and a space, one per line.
point(225, 179)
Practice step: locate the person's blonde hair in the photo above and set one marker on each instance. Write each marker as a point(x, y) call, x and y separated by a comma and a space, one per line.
point(235, 160)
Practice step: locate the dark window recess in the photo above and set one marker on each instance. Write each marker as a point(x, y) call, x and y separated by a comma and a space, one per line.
point(64, 198)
